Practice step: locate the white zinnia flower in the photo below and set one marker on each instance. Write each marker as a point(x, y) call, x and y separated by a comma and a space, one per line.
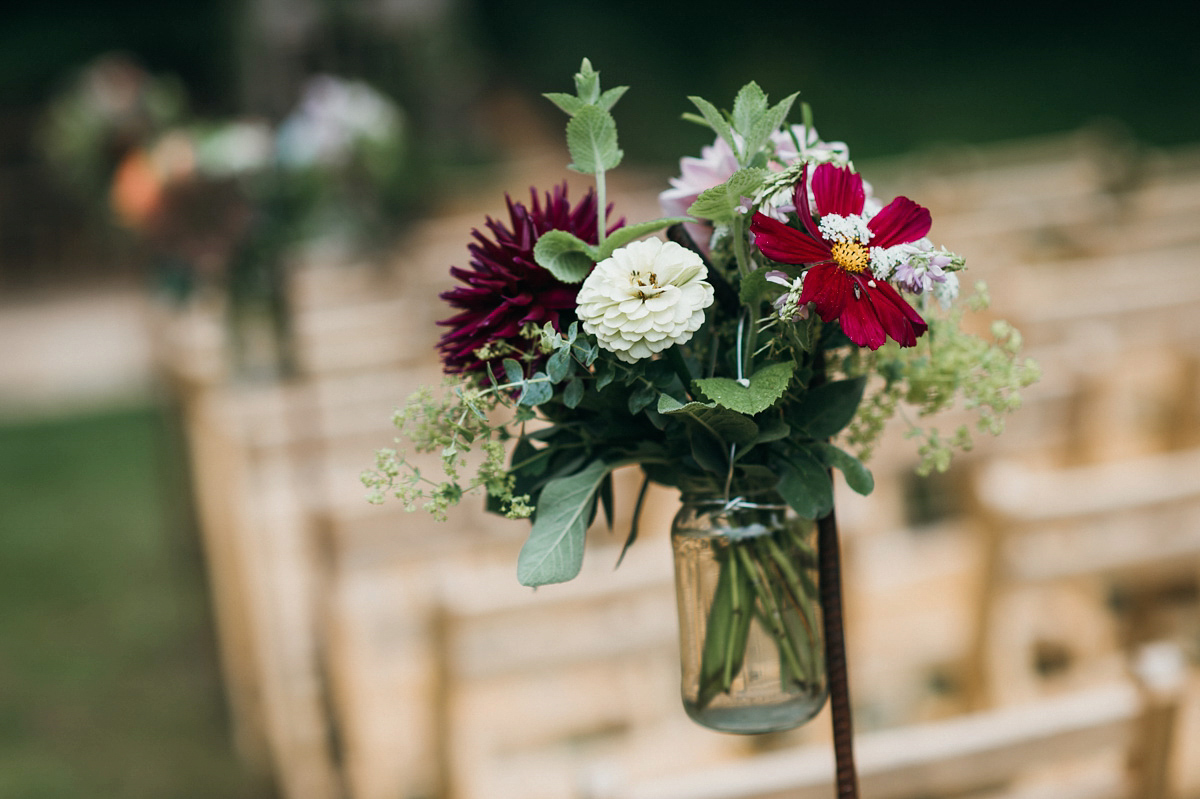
point(645, 297)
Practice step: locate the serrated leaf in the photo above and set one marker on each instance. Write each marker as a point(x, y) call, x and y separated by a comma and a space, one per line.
point(610, 97)
point(771, 120)
point(623, 235)
point(805, 485)
point(720, 203)
point(753, 286)
point(512, 371)
point(767, 385)
point(730, 427)
point(567, 102)
point(553, 553)
point(573, 393)
point(716, 120)
point(823, 411)
point(858, 476)
point(564, 255)
point(592, 140)
point(748, 106)
point(587, 82)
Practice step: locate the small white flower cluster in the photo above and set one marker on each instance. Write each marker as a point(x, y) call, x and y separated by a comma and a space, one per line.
point(644, 298)
point(835, 227)
point(787, 305)
point(917, 268)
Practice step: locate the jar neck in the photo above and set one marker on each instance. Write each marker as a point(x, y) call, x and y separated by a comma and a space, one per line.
point(759, 500)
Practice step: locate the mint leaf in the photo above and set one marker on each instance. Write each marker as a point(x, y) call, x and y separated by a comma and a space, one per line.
point(720, 203)
point(564, 255)
point(766, 387)
point(770, 121)
point(553, 552)
point(592, 140)
point(753, 286)
point(567, 102)
point(716, 121)
point(587, 83)
point(623, 235)
point(728, 427)
point(823, 411)
point(858, 476)
point(610, 97)
point(748, 106)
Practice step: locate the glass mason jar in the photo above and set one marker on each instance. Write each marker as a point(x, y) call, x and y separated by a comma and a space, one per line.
point(750, 640)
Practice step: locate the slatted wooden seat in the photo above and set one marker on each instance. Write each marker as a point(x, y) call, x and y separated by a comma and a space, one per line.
point(987, 751)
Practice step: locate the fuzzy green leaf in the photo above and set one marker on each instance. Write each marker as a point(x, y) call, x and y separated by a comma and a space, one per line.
point(716, 120)
point(749, 105)
point(553, 552)
point(766, 387)
point(805, 485)
point(587, 82)
point(623, 235)
point(770, 120)
point(858, 476)
point(592, 141)
point(567, 102)
point(753, 286)
point(610, 97)
point(729, 427)
point(823, 411)
point(564, 255)
point(720, 203)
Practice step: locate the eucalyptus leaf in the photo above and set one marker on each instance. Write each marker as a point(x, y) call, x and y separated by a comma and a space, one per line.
point(558, 365)
point(564, 255)
point(537, 390)
point(623, 235)
point(858, 476)
point(805, 485)
point(573, 393)
point(513, 371)
point(592, 141)
point(553, 553)
point(720, 203)
point(767, 385)
point(823, 411)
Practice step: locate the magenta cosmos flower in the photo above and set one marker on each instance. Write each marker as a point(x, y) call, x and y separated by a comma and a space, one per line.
point(505, 290)
point(840, 246)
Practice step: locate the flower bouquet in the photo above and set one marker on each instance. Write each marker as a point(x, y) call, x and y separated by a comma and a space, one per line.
point(763, 343)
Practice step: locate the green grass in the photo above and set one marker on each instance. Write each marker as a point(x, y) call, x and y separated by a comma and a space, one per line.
point(109, 683)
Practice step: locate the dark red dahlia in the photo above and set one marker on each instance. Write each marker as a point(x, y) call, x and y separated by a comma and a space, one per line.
point(505, 290)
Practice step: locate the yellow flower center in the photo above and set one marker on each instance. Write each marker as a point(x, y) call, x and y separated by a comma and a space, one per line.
point(851, 255)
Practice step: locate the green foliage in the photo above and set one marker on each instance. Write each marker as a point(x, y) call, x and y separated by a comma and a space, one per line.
point(764, 389)
point(564, 255)
point(554, 551)
point(720, 203)
point(592, 140)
